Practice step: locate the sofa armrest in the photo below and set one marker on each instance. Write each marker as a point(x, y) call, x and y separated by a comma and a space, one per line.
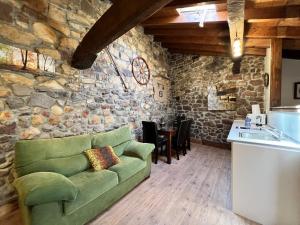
point(45, 187)
point(139, 150)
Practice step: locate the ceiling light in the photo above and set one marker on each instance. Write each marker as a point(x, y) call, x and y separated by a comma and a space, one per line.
point(237, 48)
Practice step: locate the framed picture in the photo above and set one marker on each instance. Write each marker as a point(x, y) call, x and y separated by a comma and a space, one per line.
point(161, 94)
point(297, 90)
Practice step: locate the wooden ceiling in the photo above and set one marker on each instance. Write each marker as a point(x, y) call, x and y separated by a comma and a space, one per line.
point(264, 20)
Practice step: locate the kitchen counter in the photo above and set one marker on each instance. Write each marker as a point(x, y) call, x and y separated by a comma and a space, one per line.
point(285, 143)
point(265, 175)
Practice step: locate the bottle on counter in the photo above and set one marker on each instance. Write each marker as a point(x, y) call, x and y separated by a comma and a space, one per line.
point(248, 122)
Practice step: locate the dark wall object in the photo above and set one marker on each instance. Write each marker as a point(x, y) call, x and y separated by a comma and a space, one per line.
point(291, 54)
point(297, 90)
point(266, 79)
point(236, 67)
point(116, 68)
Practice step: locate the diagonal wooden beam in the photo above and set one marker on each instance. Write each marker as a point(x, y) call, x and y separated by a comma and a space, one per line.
point(116, 21)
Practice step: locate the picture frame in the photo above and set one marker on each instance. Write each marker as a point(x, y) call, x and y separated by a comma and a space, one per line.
point(161, 94)
point(266, 79)
point(297, 90)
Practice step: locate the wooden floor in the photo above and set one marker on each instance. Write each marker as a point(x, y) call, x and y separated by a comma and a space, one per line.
point(196, 190)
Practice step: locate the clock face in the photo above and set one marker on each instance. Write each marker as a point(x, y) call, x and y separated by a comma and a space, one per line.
point(266, 79)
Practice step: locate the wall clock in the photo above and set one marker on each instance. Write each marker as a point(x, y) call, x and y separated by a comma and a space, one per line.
point(266, 79)
point(140, 70)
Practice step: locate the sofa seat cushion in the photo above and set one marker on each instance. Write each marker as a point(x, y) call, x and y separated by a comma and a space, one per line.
point(91, 185)
point(128, 167)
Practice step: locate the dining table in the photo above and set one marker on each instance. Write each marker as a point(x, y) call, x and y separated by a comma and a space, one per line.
point(169, 132)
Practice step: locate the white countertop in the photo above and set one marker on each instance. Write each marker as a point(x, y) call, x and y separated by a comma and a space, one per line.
point(286, 143)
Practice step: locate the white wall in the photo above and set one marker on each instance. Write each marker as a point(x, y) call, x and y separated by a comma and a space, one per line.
point(290, 75)
point(288, 122)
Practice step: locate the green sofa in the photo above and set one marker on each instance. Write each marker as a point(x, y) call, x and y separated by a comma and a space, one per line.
point(56, 185)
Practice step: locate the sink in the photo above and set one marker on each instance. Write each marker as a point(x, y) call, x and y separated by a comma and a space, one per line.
point(258, 136)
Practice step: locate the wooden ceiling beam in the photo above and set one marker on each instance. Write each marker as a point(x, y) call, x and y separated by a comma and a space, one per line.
point(249, 3)
point(216, 52)
point(197, 52)
point(272, 32)
point(286, 15)
point(258, 43)
point(276, 22)
point(193, 40)
point(291, 44)
point(251, 31)
point(198, 32)
point(270, 3)
point(189, 3)
point(206, 48)
point(116, 21)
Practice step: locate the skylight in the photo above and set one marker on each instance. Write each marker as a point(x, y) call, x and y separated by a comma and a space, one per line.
point(196, 9)
point(198, 13)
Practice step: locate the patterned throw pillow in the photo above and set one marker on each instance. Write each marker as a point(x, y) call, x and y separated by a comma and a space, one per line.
point(102, 157)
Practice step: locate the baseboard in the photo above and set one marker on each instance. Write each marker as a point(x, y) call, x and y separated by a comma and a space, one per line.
point(197, 141)
point(218, 145)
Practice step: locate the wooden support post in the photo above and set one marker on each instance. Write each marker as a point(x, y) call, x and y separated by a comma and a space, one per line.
point(236, 17)
point(276, 65)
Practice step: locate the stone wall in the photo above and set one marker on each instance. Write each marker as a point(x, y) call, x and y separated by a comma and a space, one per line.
point(191, 76)
point(70, 102)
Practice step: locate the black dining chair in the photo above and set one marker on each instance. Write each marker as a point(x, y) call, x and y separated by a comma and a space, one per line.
point(179, 141)
point(150, 135)
point(188, 135)
point(178, 120)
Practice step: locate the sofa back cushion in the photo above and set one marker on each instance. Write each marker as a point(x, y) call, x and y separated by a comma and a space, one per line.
point(59, 155)
point(118, 139)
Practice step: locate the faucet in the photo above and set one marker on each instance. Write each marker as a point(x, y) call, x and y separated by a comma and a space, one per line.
point(275, 132)
point(260, 119)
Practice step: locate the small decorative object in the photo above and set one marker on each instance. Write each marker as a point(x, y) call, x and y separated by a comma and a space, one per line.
point(140, 70)
point(116, 68)
point(219, 98)
point(297, 90)
point(16, 59)
point(248, 122)
point(266, 79)
point(102, 157)
point(162, 123)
